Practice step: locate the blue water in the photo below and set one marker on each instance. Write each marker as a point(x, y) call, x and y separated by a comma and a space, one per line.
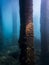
point(36, 17)
point(8, 8)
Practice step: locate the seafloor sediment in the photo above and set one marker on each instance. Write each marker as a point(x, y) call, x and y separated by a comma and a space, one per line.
point(10, 56)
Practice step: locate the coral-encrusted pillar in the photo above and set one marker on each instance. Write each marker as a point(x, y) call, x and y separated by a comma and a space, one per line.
point(29, 32)
point(26, 32)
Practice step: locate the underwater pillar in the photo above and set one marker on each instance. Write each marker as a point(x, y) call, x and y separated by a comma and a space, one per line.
point(44, 33)
point(1, 31)
point(26, 39)
point(14, 28)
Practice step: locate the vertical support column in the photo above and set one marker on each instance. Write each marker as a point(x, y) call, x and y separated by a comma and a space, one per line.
point(26, 32)
point(29, 31)
point(43, 25)
point(44, 32)
point(1, 30)
point(14, 28)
